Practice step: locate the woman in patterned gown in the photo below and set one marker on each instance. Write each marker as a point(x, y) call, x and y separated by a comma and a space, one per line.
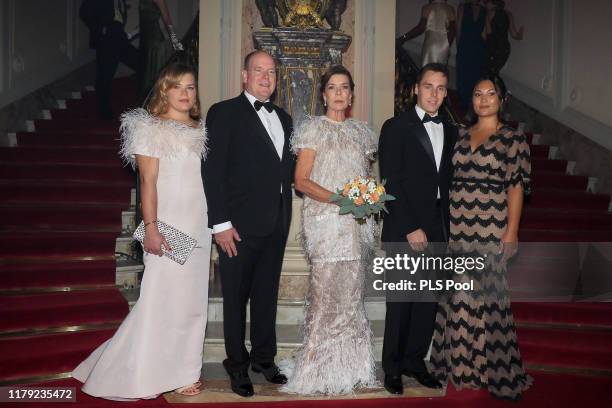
point(336, 355)
point(475, 342)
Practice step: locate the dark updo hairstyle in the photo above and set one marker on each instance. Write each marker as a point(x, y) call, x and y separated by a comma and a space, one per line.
point(334, 70)
point(331, 71)
point(500, 89)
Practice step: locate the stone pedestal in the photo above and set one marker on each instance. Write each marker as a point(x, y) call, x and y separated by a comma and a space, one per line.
point(302, 56)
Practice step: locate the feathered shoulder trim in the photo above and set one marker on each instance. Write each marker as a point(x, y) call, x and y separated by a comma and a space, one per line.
point(312, 131)
point(143, 133)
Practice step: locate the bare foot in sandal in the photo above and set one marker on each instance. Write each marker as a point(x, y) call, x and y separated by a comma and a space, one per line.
point(189, 390)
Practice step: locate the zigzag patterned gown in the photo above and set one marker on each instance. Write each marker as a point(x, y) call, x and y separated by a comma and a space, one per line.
point(474, 342)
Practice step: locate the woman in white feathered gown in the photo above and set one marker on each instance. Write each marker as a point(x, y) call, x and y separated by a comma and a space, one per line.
point(336, 355)
point(158, 347)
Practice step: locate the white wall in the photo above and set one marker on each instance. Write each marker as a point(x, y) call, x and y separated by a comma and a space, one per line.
point(561, 68)
point(43, 40)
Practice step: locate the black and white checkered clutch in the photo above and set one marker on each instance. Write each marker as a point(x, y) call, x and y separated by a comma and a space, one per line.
point(181, 244)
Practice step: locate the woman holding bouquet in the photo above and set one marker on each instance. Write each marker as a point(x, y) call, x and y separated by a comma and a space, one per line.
point(336, 355)
point(158, 347)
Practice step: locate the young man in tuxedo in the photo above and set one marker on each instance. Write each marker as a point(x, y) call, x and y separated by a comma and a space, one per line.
point(415, 151)
point(247, 179)
point(106, 21)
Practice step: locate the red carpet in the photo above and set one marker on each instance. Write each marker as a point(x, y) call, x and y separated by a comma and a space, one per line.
point(551, 391)
point(63, 189)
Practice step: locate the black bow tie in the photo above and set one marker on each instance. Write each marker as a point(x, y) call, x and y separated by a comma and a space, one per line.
point(268, 105)
point(435, 119)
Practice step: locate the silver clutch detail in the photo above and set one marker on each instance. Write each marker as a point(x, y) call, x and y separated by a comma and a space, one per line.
point(181, 244)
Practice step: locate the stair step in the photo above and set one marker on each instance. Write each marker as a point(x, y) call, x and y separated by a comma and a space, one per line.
point(547, 235)
point(545, 218)
point(74, 194)
point(64, 171)
point(541, 164)
point(68, 139)
point(40, 275)
point(557, 199)
point(566, 348)
point(550, 179)
point(88, 103)
point(69, 114)
point(574, 313)
point(48, 354)
point(22, 245)
point(28, 155)
point(61, 309)
point(540, 151)
point(35, 183)
point(61, 216)
point(83, 125)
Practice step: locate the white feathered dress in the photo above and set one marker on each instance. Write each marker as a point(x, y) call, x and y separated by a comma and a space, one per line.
point(336, 355)
point(158, 347)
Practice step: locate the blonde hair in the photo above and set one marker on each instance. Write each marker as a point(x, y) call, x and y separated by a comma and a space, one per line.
point(170, 76)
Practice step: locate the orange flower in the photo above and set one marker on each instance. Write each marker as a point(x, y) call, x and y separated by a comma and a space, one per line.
point(345, 192)
point(363, 188)
point(375, 197)
point(359, 201)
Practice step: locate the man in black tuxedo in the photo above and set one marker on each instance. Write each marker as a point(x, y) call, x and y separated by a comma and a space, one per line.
point(247, 179)
point(106, 21)
point(415, 151)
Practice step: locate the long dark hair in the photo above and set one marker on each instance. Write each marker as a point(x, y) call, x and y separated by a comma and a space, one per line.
point(502, 93)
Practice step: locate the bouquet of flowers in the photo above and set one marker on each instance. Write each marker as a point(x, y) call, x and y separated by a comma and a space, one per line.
point(362, 197)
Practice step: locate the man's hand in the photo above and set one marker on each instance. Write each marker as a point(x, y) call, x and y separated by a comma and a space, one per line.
point(417, 240)
point(225, 240)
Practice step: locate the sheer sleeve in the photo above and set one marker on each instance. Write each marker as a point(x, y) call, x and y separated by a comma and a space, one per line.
point(306, 136)
point(518, 163)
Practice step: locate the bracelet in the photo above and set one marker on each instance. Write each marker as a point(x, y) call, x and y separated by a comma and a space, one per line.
point(150, 222)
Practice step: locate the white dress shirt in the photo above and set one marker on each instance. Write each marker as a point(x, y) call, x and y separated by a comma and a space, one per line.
point(435, 131)
point(274, 127)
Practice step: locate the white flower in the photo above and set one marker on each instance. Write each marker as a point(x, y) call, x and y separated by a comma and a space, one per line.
point(367, 198)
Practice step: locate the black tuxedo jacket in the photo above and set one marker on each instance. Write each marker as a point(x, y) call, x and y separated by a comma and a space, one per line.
point(407, 162)
point(242, 173)
point(98, 14)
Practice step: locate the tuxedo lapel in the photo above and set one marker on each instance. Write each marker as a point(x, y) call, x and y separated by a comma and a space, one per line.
point(257, 126)
point(421, 134)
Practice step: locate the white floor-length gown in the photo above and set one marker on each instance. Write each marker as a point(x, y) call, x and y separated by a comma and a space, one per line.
point(336, 355)
point(159, 345)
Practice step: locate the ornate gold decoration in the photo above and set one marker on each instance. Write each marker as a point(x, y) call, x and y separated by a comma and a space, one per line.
point(302, 13)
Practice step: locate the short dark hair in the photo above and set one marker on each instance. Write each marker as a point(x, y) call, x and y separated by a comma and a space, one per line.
point(432, 67)
point(334, 70)
point(250, 55)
